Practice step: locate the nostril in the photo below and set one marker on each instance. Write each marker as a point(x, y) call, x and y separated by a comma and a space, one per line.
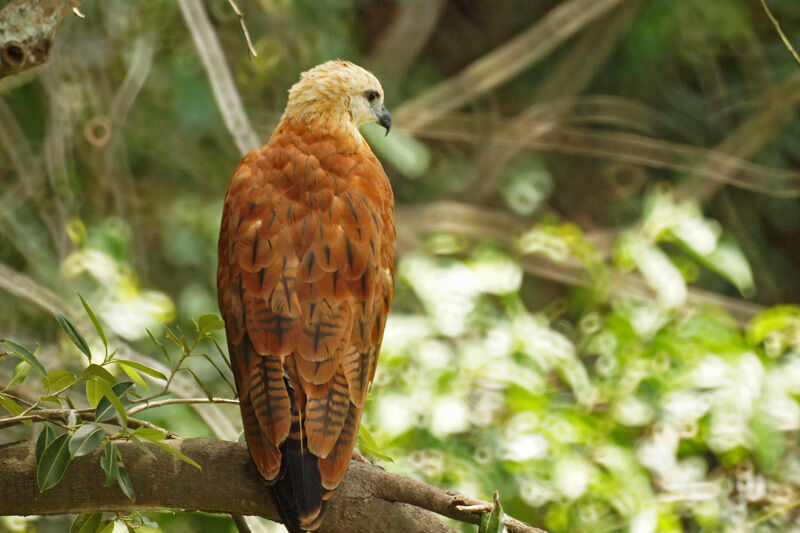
point(13, 54)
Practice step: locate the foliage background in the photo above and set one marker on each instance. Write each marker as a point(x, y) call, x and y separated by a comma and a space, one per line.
point(594, 252)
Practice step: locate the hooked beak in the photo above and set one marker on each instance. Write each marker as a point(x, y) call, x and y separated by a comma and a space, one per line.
point(385, 119)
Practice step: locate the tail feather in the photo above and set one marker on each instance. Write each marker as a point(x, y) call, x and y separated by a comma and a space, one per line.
point(290, 521)
point(298, 492)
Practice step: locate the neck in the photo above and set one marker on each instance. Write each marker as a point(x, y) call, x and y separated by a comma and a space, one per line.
point(333, 122)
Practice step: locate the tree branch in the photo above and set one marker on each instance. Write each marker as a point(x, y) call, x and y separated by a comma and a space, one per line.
point(219, 75)
point(61, 415)
point(369, 499)
point(503, 63)
point(27, 30)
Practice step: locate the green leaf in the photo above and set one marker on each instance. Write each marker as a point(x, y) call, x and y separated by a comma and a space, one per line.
point(367, 445)
point(93, 392)
point(770, 442)
point(108, 526)
point(124, 482)
point(142, 446)
point(177, 454)
point(72, 332)
point(58, 379)
point(96, 371)
point(54, 462)
point(25, 354)
point(50, 398)
point(85, 440)
point(141, 368)
point(160, 346)
point(772, 320)
point(10, 405)
point(174, 338)
point(95, 322)
point(134, 375)
point(112, 398)
point(200, 383)
point(208, 323)
point(86, 523)
point(21, 372)
point(46, 436)
point(151, 434)
point(493, 521)
point(728, 260)
point(110, 463)
point(219, 371)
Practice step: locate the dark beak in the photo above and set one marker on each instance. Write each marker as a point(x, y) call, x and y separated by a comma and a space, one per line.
point(385, 119)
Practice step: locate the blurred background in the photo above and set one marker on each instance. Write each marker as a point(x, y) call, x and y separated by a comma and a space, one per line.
point(598, 224)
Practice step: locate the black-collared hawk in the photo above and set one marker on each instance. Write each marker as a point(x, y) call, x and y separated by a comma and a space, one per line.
point(305, 282)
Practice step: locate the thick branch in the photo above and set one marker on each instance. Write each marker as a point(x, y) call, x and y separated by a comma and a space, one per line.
point(27, 29)
point(369, 499)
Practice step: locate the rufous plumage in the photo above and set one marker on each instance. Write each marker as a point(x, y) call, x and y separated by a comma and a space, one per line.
point(305, 281)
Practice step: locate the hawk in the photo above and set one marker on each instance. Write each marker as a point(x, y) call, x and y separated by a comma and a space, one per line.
point(305, 281)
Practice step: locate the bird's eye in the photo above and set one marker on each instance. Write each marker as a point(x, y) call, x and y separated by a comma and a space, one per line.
point(372, 95)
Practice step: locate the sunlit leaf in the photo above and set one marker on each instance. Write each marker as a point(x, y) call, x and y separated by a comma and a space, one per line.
point(59, 379)
point(21, 371)
point(134, 375)
point(85, 439)
point(95, 322)
point(10, 405)
point(25, 354)
point(141, 368)
point(93, 392)
point(73, 333)
point(208, 323)
point(774, 319)
point(151, 434)
point(53, 463)
point(97, 371)
point(368, 446)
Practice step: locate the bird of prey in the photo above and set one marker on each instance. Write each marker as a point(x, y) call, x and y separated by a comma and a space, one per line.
point(305, 280)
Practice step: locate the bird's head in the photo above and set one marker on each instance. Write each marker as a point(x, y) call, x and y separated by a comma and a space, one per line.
point(338, 92)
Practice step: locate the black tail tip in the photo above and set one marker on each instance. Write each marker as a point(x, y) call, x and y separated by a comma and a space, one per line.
point(290, 520)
